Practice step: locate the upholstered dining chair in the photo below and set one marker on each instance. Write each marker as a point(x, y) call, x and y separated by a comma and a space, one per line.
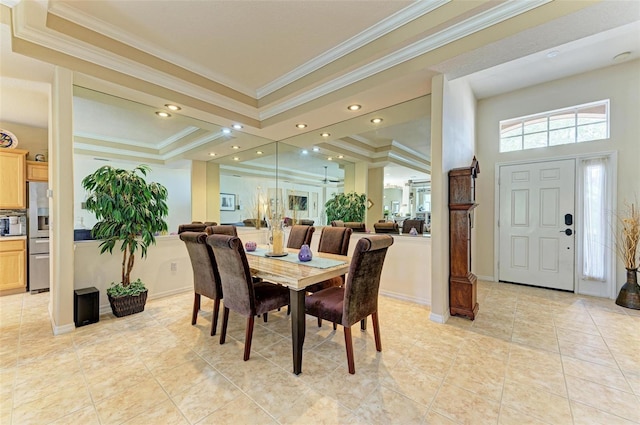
point(418, 224)
point(191, 227)
point(206, 280)
point(241, 294)
point(300, 235)
point(357, 299)
point(222, 229)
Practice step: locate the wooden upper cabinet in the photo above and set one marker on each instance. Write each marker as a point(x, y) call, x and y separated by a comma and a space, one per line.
point(13, 177)
point(37, 171)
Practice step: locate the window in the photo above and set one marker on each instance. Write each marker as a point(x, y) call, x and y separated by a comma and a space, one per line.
point(577, 124)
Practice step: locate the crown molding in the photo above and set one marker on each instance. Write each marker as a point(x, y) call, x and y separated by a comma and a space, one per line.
point(387, 25)
point(74, 15)
point(62, 43)
point(495, 15)
point(118, 140)
point(179, 135)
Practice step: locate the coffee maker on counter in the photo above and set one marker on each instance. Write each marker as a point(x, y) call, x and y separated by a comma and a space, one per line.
point(13, 225)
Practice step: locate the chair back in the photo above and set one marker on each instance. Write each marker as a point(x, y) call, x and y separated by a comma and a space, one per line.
point(337, 223)
point(206, 279)
point(335, 240)
point(223, 229)
point(300, 235)
point(191, 227)
point(417, 223)
point(363, 280)
point(235, 275)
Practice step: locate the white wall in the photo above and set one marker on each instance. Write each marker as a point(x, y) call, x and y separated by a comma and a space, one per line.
point(452, 145)
point(177, 182)
point(620, 83)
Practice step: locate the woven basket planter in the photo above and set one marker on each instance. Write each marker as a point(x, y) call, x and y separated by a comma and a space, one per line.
point(129, 304)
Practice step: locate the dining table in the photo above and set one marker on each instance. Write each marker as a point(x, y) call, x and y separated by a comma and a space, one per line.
point(296, 275)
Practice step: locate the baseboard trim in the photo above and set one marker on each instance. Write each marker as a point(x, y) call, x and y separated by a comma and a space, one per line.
point(487, 278)
point(421, 301)
point(439, 318)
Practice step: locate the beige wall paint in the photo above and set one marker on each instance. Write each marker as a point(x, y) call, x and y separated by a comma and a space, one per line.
point(620, 83)
point(33, 139)
point(213, 192)
point(198, 190)
point(375, 194)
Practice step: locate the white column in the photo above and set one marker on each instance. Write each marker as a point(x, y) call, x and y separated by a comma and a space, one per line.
point(198, 191)
point(213, 192)
point(61, 201)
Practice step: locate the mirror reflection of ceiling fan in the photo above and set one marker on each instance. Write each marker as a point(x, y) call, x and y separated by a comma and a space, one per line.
point(327, 180)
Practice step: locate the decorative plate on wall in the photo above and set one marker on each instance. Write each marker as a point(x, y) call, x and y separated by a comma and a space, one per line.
point(8, 139)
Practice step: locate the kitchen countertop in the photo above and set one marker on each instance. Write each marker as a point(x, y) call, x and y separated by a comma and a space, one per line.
point(12, 238)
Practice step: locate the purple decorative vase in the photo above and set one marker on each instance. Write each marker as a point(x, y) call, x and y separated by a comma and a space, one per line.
point(250, 246)
point(305, 253)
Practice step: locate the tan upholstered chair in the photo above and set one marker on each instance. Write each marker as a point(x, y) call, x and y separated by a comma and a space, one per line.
point(306, 222)
point(206, 279)
point(358, 297)
point(241, 294)
point(300, 235)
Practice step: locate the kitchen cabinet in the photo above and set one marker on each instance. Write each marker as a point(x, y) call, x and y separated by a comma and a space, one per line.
point(13, 177)
point(13, 266)
point(37, 171)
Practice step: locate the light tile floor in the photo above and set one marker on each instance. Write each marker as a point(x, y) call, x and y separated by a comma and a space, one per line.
point(532, 356)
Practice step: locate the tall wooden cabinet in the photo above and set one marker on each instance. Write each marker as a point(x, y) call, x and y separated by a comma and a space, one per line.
point(13, 190)
point(462, 283)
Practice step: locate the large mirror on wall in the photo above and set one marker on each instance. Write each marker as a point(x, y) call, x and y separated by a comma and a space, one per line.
point(259, 178)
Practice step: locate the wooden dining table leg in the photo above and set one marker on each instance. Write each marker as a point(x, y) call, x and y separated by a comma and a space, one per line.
point(298, 329)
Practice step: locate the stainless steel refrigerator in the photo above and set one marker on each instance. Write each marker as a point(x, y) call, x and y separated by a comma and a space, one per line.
point(38, 237)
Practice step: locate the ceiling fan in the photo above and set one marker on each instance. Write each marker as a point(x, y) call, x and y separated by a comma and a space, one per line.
point(327, 180)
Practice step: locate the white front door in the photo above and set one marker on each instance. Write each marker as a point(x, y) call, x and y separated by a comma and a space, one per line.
point(536, 217)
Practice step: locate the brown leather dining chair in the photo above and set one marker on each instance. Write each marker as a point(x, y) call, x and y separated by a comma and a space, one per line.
point(241, 294)
point(191, 227)
point(333, 240)
point(358, 298)
point(300, 235)
point(222, 229)
point(206, 279)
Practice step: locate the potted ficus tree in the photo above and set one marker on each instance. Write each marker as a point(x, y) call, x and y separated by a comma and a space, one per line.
point(130, 212)
point(346, 207)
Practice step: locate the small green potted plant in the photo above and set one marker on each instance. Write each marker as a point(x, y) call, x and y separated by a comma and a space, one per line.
point(131, 211)
point(346, 207)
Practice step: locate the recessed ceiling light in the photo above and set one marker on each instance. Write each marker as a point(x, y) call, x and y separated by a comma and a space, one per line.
point(235, 147)
point(340, 156)
point(235, 158)
point(259, 152)
point(621, 57)
point(304, 152)
point(172, 107)
point(316, 149)
point(163, 114)
point(226, 131)
point(212, 154)
point(553, 54)
point(329, 158)
point(325, 134)
point(354, 107)
point(301, 125)
point(237, 126)
point(376, 120)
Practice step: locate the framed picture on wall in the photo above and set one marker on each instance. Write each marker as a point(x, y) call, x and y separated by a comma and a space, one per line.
point(227, 202)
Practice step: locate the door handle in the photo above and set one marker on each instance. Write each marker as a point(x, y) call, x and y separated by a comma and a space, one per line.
point(567, 232)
